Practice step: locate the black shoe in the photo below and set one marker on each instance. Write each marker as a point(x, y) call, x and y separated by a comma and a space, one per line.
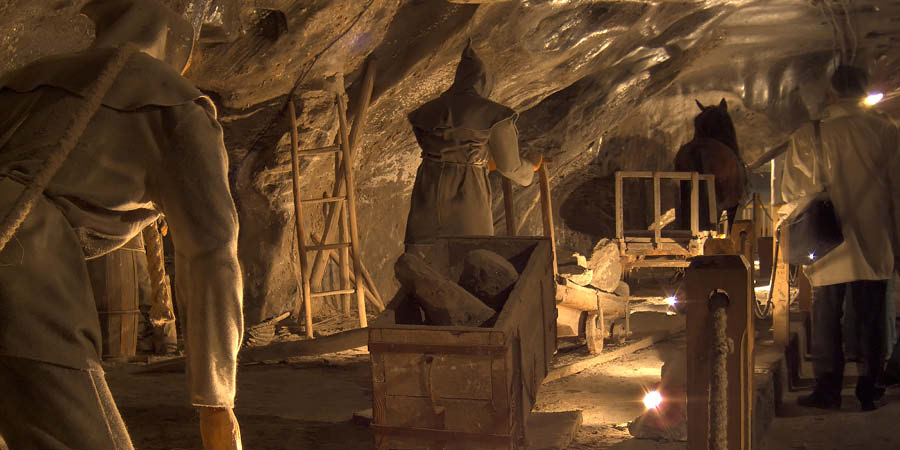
point(821, 400)
point(871, 396)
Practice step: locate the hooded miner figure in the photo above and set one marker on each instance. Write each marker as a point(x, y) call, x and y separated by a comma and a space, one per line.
point(153, 147)
point(463, 135)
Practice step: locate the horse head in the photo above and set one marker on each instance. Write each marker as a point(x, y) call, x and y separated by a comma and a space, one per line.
point(713, 122)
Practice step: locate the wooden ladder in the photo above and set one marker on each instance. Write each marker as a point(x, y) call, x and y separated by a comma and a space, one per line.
point(341, 217)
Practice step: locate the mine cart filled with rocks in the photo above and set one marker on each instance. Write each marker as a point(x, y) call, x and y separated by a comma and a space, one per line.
point(458, 356)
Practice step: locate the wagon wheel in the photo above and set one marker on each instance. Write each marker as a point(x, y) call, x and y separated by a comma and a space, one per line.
point(594, 331)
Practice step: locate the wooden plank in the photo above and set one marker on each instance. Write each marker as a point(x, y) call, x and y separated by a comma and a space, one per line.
point(343, 258)
point(428, 335)
point(656, 209)
point(298, 218)
point(463, 415)
point(525, 288)
point(337, 246)
point(334, 292)
point(781, 293)
point(620, 212)
point(318, 151)
point(805, 296)
point(316, 201)
point(547, 213)
point(695, 204)
point(659, 263)
point(509, 206)
point(571, 369)
point(713, 206)
point(351, 206)
point(449, 376)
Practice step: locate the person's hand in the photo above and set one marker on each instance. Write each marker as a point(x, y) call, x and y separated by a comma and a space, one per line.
point(219, 429)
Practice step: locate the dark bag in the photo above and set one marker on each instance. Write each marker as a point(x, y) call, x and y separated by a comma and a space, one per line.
point(814, 229)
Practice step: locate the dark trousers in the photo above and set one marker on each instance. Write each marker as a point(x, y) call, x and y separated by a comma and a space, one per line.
point(48, 407)
point(868, 333)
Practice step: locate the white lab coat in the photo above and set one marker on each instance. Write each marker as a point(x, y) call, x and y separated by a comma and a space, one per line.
point(859, 158)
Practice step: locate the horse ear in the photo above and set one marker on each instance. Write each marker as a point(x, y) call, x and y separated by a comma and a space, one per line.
point(699, 105)
point(723, 105)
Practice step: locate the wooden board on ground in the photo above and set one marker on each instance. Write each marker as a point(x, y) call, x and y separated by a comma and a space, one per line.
point(571, 369)
point(552, 430)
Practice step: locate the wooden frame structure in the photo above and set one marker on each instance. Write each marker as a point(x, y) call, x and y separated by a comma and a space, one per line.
point(341, 217)
point(669, 248)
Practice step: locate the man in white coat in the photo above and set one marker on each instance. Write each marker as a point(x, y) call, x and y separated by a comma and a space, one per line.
point(858, 158)
point(154, 146)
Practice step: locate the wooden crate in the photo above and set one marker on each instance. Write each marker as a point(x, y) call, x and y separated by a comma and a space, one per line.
point(464, 387)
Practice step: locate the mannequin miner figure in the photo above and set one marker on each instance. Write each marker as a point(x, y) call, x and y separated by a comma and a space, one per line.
point(463, 135)
point(153, 147)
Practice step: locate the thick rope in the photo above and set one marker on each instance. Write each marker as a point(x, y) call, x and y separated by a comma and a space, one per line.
point(718, 401)
point(93, 98)
point(161, 304)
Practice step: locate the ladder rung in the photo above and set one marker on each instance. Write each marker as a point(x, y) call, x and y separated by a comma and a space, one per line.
point(314, 201)
point(311, 248)
point(327, 293)
point(318, 151)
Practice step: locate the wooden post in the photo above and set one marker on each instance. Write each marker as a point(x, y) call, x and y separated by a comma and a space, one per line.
point(620, 214)
point(547, 209)
point(695, 205)
point(781, 293)
point(713, 206)
point(344, 256)
point(318, 268)
point(730, 273)
point(758, 221)
point(509, 205)
point(298, 218)
point(351, 205)
point(805, 296)
point(657, 211)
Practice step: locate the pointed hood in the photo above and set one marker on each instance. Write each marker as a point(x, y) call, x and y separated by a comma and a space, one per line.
point(156, 29)
point(471, 75)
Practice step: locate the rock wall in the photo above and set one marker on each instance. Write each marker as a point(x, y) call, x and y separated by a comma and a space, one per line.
point(600, 86)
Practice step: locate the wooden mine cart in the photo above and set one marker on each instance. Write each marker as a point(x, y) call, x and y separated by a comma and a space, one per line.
point(448, 387)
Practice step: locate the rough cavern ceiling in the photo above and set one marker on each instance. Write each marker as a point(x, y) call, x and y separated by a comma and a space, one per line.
point(600, 86)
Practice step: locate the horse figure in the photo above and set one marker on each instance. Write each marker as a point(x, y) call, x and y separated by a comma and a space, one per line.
point(713, 150)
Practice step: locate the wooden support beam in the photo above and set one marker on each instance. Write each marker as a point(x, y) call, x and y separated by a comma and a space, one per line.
point(657, 209)
point(620, 213)
point(695, 204)
point(351, 205)
point(731, 274)
point(547, 209)
point(781, 293)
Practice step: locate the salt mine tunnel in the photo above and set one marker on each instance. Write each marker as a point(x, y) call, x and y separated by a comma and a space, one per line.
point(449, 224)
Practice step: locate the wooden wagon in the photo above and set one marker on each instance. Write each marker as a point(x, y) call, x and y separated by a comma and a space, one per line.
point(448, 387)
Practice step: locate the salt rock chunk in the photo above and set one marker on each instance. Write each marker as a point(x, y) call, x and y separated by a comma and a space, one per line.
point(444, 302)
point(579, 275)
point(488, 276)
point(606, 265)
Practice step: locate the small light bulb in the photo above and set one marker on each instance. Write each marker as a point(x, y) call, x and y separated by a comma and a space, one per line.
point(671, 301)
point(652, 400)
point(812, 256)
point(874, 98)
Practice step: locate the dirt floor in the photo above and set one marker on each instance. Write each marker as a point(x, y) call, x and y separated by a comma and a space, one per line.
point(309, 403)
